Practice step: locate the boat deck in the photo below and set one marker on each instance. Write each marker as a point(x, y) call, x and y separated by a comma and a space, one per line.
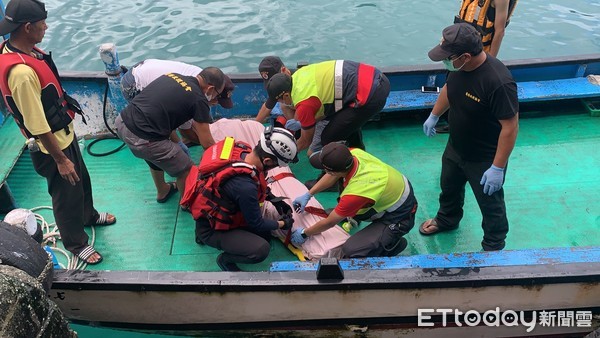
point(551, 194)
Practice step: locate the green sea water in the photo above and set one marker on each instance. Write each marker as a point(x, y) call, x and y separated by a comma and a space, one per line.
point(235, 34)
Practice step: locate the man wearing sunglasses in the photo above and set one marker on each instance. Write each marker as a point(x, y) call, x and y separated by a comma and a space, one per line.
point(481, 96)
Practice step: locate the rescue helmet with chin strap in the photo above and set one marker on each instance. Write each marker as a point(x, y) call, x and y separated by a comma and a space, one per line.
point(280, 143)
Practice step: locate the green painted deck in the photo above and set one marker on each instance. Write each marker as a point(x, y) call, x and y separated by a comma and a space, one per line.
point(551, 194)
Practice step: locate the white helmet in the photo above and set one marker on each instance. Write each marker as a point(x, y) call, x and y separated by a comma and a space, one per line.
point(280, 143)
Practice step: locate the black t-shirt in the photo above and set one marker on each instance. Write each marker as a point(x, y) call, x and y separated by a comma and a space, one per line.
point(478, 100)
point(164, 105)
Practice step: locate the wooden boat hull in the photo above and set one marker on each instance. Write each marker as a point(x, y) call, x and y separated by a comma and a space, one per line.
point(378, 295)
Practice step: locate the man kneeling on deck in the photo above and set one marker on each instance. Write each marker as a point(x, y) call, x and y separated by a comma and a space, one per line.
point(373, 191)
point(225, 192)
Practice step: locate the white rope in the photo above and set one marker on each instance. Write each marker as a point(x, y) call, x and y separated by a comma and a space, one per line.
point(51, 235)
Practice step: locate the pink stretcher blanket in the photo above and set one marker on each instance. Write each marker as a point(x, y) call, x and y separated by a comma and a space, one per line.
point(326, 244)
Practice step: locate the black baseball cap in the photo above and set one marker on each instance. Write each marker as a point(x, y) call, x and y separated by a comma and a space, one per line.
point(457, 39)
point(335, 157)
point(277, 85)
point(269, 66)
point(224, 99)
point(19, 12)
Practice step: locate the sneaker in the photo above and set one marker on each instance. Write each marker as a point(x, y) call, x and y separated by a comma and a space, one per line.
point(402, 244)
point(226, 266)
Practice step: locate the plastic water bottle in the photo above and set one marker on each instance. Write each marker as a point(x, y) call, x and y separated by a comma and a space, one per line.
point(32, 145)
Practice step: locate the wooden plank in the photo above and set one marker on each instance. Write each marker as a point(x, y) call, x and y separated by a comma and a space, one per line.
point(409, 100)
point(557, 89)
point(571, 88)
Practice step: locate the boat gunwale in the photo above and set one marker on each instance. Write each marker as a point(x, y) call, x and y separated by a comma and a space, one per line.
point(409, 69)
point(413, 278)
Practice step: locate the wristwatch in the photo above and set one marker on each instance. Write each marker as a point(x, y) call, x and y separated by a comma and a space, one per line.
point(303, 234)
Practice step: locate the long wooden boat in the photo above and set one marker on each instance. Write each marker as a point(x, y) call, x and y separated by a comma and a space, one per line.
point(155, 278)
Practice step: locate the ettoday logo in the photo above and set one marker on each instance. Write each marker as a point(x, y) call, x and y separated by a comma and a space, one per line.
point(496, 317)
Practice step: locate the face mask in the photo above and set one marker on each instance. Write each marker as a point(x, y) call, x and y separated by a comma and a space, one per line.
point(449, 64)
point(208, 97)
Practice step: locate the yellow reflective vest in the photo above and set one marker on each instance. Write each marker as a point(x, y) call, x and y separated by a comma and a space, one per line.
point(378, 181)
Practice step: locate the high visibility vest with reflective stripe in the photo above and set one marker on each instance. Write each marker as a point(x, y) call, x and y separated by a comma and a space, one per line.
point(336, 83)
point(375, 180)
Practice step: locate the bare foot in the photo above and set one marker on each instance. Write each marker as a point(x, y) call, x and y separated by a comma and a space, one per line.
point(94, 258)
point(166, 192)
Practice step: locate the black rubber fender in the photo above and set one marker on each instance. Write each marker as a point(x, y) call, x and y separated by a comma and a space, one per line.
point(19, 250)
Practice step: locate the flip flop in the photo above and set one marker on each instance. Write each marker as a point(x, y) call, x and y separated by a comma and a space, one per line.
point(103, 219)
point(86, 253)
point(172, 190)
point(430, 223)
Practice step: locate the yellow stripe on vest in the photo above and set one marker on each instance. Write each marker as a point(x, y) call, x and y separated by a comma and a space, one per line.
point(227, 148)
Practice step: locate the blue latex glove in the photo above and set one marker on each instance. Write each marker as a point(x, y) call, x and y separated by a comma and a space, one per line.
point(293, 125)
point(297, 238)
point(492, 180)
point(429, 125)
point(300, 202)
point(184, 148)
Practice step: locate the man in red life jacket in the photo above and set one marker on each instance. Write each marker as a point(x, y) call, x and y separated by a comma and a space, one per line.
point(33, 94)
point(225, 192)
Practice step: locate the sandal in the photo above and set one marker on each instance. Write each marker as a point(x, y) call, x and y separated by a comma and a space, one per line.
point(88, 252)
point(429, 224)
point(103, 219)
point(172, 190)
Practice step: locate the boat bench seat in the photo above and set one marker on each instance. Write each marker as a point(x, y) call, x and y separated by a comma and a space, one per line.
point(572, 88)
point(12, 144)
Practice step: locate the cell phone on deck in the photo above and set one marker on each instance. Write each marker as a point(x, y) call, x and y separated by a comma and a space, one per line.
point(430, 89)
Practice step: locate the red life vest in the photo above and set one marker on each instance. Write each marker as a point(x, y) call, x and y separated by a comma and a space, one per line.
point(59, 108)
point(203, 194)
